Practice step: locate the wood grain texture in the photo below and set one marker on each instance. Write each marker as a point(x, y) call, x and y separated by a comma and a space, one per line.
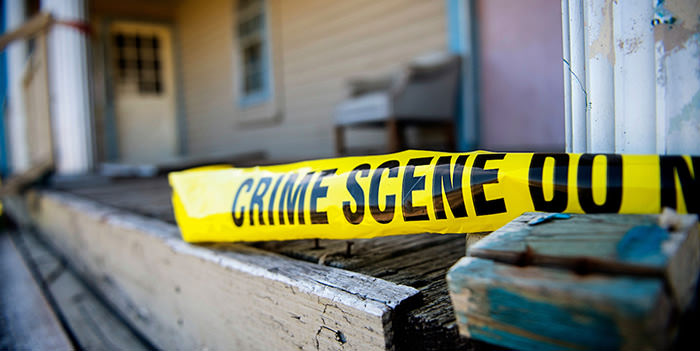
point(419, 261)
point(535, 308)
point(603, 243)
point(221, 296)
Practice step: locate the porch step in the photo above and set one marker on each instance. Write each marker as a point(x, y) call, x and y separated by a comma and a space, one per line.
point(27, 321)
point(418, 261)
point(222, 296)
point(88, 318)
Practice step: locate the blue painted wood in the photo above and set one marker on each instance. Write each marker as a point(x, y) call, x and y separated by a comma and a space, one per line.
point(535, 308)
point(603, 281)
point(643, 245)
point(581, 236)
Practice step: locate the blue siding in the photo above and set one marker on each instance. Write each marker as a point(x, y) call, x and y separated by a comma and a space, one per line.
point(459, 42)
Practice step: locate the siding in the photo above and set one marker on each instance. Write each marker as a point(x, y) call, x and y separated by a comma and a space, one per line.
point(319, 45)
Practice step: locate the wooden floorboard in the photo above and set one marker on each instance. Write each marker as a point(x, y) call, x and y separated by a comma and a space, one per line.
point(27, 321)
point(93, 324)
point(419, 261)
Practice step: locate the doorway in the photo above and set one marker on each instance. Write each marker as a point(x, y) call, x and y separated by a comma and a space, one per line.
point(143, 87)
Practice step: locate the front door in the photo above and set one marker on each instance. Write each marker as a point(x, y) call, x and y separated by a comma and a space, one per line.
point(144, 91)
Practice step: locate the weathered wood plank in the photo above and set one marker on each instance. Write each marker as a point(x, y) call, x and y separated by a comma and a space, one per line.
point(19, 182)
point(604, 243)
point(30, 28)
point(420, 261)
point(27, 321)
point(92, 324)
point(430, 323)
point(535, 308)
point(221, 296)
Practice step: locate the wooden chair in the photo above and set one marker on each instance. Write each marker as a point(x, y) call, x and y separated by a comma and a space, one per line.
point(422, 94)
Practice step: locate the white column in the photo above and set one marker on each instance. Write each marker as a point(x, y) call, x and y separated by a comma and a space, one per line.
point(69, 88)
point(577, 77)
point(566, 55)
point(14, 13)
point(635, 78)
point(600, 56)
point(641, 61)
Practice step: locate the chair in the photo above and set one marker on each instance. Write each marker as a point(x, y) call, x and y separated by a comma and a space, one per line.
point(424, 94)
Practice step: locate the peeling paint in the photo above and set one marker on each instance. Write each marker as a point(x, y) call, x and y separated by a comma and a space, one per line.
point(654, 86)
point(603, 44)
point(675, 22)
point(689, 115)
point(630, 45)
point(687, 12)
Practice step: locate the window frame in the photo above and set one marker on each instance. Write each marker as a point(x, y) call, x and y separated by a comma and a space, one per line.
point(264, 95)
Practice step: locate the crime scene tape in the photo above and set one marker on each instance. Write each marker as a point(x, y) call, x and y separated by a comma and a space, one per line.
point(414, 192)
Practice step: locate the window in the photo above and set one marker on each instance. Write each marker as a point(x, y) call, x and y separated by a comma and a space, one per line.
point(254, 71)
point(137, 63)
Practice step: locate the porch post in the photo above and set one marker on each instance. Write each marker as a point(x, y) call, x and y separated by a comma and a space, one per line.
point(15, 16)
point(69, 86)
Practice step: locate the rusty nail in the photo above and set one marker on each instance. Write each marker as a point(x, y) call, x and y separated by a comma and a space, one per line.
point(317, 244)
point(348, 249)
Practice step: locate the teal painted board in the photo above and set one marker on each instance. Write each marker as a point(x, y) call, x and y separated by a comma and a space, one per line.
point(590, 282)
point(535, 308)
point(666, 246)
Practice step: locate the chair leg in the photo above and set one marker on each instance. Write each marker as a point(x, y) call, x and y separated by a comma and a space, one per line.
point(340, 140)
point(394, 135)
point(451, 136)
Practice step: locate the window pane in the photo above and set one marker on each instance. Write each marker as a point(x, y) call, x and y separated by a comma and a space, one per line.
point(253, 83)
point(252, 65)
point(251, 29)
point(137, 62)
point(251, 26)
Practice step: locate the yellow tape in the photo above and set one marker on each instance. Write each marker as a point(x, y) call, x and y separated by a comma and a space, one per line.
point(422, 191)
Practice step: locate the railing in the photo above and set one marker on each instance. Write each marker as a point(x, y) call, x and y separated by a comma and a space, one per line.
point(35, 85)
point(35, 88)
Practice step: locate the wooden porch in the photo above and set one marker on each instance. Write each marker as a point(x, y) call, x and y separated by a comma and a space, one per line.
point(120, 236)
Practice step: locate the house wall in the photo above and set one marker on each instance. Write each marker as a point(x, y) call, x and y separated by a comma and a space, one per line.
point(318, 45)
point(520, 75)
